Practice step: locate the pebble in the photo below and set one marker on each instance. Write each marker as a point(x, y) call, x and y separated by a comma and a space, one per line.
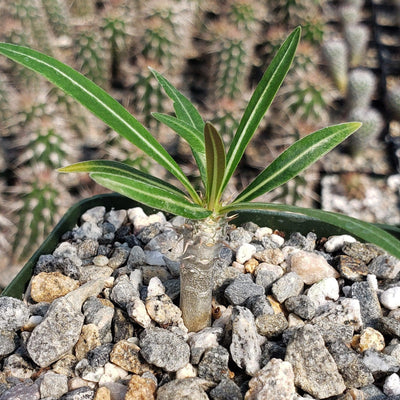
point(266, 274)
point(368, 339)
point(241, 289)
point(214, 364)
point(303, 306)
point(336, 243)
point(384, 267)
point(379, 363)
point(320, 378)
point(271, 326)
point(200, 341)
point(82, 393)
point(245, 252)
point(13, 314)
point(245, 346)
point(153, 343)
point(370, 307)
point(351, 268)
point(323, 291)
point(287, 286)
point(140, 388)
point(48, 286)
point(390, 298)
point(126, 355)
point(391, 387)
point(274, 381)
point(311, 267)
point(184, 389)
point(88, 340)
point(53, 385)
point(226, 390)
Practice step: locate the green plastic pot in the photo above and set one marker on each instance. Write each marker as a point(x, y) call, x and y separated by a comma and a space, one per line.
point(287, 223)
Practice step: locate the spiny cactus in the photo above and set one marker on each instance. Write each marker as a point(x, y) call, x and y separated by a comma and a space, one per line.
point(357, 37)
point(361, 88)
point(57, 12)
point(349, 14)
point(336, 56)
point(393, 99)
point(372, 125)
point(90, 56)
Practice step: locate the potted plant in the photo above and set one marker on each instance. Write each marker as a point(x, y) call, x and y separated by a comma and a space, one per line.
point(205, 208)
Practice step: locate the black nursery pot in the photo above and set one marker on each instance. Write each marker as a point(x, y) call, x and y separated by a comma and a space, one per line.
point(287, 223)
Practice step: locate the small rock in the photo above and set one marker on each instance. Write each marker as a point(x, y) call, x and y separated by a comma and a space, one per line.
point(370, 306)
point(245, 252)
point(391, 387)
point(140, 388)
point(100, 261)
point(68, 250)
point(99, 356)
point(389, 326)
point(306, 243)
point(13, 314)
point(274, 381)
point(241, 289)
point(65, 365)
point(153, 343)
point(202, 340)
point(50, 263)
point(136, 257)
point(15, 366)
point(87, 248)
point(162, 310)
point(101, 314)
point(53, 385)
point(301, 305)
point(250, 266)
point(271, 256)
point(289, 285)
point(82, 393)
point(271, 325)
point(390, 298)
point(163, 242)
point(7, 342)
point(311, 267)
point(351, 268)
point(116, 217)
point(24, 390)
point(89, 272)
point(384, 267)
point(126, 355)
point(323, 291)
point(350, 365)
point(102, 393)
point(239, 236)
point(267, 274)
point(122, 326)
point(124, 292)
point(188, 371)
point(119, 257)
point(95, 215)
point(214, 364)
point(112, 373)
point(226, 390)
point(363, 251)
point(335, 243)
point(380, 363)
point(320, 378)
point(259, 305)
point(88, 340)
point(189, 388)
point(245, 346)
point(137, 311)
point(369, 339)
point(48, 286)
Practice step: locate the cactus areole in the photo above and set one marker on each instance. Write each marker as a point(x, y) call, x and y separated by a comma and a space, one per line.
point(205, 208)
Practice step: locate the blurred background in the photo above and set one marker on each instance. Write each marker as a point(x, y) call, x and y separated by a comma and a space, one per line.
point(347, 68)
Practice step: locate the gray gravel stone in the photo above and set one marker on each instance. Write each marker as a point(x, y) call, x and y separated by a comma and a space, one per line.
point(239, 236)
point(100, 355)
point(25, 390)
point(87, 248)
point(83, 393)
point(136, 257)
point(389, 326)
point(245, 347)
point(259, 305)
point(271, 325)
point(97, 313)
point(226, 390)
point(154, 342)
point(301, 305)
point(267, 274)
point(7, 342)
point(369, 303)
point(119, 256)
point(241, 289)
point(214, 364)
point(124, 291)
point(200, 341)
point(380, 363)
point(53, 385)
point(288, 286)
point(384, 267)
point(50, 263)
point(14, 313)
point(314, 368)
point(116, 217)
point(350, 365)
point(185, 389)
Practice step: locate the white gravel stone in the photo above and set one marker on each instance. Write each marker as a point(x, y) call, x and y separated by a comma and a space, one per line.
point(112, 373)
point(335, 243)
point(245, 252)
point(279, 240)
point(261, 232)
point(154, 257)
point(137, 311)
point(67, 250)
point(140, 220)
point(155, 288)
point(188, 371)
point(391, 386)
point(390, 298)
point(372, 281)
point(100, 261)
point(320, 293)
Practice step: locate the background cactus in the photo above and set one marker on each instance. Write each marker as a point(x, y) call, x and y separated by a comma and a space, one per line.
point(357, 37)
point(393, 98)
point(361, 88)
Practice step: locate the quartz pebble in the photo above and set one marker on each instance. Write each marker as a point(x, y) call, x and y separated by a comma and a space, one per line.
point(291, 319)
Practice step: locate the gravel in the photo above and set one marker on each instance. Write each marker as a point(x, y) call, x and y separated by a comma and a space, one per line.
point(295, 318)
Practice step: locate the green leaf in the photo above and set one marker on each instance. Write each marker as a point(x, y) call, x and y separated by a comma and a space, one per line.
point(99, 103)
point(362, 230)
point(260, 102)
point(183, 129)
point(153, 196)
point(184, 109)
point(120, 169)
point(296, 158)
point(215, 159)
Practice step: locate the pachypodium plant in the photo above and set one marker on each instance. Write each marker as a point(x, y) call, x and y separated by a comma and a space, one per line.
point(205, 208)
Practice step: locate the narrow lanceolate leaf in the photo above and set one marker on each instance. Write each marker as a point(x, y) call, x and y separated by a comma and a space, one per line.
point(260, 102)
point(153, 196)
point(363, 230)
point(215, 161)
point(99, 103)
point(184, 109)
point(296, 158)
point(194, 138)
point(122, 170)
